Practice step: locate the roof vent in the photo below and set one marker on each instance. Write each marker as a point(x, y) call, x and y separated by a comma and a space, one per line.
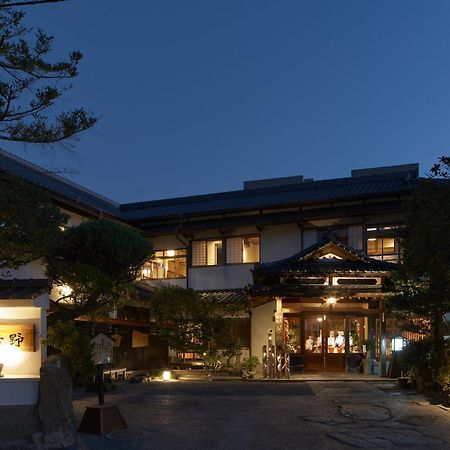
point(407, 170)
point(273, 182)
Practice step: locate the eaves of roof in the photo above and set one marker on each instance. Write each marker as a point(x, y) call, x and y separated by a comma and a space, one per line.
point(61, 188)
point(311, 192)
point(23, 289)
point(300, 264)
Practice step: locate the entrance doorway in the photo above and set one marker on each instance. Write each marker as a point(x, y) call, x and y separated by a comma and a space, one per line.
point(326, 340)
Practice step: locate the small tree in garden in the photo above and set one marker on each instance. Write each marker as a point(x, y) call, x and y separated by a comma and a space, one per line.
point(190, 322)
point(75, 347)
point(181, 319)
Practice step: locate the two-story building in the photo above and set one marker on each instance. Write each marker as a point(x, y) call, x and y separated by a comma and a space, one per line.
point(312, 257)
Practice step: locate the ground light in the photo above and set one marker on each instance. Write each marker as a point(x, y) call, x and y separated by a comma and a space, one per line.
point(167, 376)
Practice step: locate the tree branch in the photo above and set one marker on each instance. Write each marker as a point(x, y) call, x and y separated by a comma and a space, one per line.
point(31, 2)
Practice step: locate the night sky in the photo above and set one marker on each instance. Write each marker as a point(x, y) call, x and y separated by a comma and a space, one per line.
point(196, 96)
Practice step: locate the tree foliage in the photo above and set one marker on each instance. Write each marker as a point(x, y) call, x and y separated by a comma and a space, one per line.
point(442, 168)
point(423, 277)
point(190, 322)
point(99, 260)
point(31, 84)
point(29, 223)
point(75, 347)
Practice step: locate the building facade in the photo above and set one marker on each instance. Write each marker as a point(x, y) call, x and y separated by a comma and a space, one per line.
point(312, 257)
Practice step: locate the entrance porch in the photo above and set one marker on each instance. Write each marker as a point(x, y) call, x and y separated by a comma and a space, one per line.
point(327, 309)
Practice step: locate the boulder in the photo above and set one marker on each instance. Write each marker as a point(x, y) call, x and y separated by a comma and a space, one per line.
point(55, 403)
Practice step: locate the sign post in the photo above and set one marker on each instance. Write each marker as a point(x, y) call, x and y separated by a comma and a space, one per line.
point(102, 419)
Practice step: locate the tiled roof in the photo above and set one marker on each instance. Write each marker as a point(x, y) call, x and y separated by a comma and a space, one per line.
point(301, 264)
point(38, 176)
point(225, 296)
point(273, 197)
point(285, 196)
point(145, 292)
point(23, 289)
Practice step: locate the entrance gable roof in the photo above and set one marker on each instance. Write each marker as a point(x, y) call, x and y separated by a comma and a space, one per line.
point(326, 256)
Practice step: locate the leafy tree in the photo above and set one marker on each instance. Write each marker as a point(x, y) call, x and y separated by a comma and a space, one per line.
point(75, 347)
point(31, 84)
point(179, 318)
point(423, 277)
point(29, 223)
point(99, 260)
point(190, 322)
point(442, 168)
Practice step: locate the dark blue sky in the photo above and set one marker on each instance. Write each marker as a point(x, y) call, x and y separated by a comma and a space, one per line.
point(197, 96)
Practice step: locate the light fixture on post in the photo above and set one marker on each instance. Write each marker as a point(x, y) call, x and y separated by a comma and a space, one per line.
point(331, 301)
point(398, 342)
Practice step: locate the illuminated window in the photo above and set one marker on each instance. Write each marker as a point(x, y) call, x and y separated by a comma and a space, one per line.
point(243, 249)
point(165, 264)
point(382, 242)
point(207, 253)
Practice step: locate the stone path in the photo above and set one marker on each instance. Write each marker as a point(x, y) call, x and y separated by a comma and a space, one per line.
point(270, 415)
point(366, 419)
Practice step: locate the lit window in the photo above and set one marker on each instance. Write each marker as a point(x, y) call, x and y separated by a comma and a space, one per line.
point(382, 243)
point(243, 249)
point(207, 253)
point(165, 264)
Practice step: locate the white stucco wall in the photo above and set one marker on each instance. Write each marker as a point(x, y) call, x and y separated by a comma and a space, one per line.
point(169, 242)
point(280, 241)
point(220, 277)
point(262, 321)
point(34, 270)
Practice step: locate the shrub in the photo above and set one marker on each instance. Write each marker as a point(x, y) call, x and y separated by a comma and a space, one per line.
point(75, 347)
point(249, 364)
point(428, 363)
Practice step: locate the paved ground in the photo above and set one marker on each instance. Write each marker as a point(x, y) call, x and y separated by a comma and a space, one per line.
point(270, 415)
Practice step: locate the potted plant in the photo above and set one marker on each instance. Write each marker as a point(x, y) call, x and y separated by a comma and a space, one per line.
point(248, 367)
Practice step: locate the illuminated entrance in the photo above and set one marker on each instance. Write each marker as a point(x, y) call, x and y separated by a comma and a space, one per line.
point(328, 304)
point(326, 341)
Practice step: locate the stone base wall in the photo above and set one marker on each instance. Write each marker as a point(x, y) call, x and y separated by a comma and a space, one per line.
point(18, 422)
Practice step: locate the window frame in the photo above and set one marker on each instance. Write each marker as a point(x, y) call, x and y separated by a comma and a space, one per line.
point(243, 236)
point(164, 258)
point(206, 240)
point(224, 250)
point(384, 231)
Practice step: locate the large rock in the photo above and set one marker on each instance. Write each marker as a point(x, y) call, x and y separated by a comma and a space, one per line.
point(55, 403)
